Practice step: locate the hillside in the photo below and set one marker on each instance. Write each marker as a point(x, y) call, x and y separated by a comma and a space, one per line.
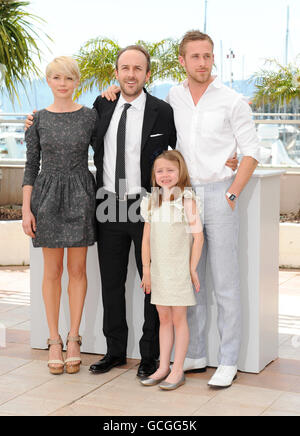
point(39, 95)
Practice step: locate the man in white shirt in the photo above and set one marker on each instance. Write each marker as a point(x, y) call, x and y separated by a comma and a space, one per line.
point(211, 121)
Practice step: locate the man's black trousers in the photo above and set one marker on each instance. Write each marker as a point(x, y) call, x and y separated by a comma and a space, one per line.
point(114, 242)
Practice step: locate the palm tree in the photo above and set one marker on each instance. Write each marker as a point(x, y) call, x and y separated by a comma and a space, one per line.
point(280, 85)
point(97, 57)
point(96, 60)
point(164, 60)
point(18, 44)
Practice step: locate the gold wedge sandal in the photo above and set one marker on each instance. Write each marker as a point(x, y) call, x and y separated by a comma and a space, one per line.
point(73, 368)
point(56, 370)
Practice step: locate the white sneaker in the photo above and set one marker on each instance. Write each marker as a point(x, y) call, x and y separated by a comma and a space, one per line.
point(223, 377)
point(194, 365)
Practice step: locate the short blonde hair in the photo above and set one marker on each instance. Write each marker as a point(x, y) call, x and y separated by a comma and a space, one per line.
point(193, 35)
point(65, 65)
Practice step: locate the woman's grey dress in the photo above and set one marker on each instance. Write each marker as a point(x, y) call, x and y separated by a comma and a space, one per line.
point(63, 198)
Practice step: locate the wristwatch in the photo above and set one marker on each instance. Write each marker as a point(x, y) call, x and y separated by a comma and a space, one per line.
point(230, 196)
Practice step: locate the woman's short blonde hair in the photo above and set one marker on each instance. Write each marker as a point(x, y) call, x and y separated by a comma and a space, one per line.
point(65, 65)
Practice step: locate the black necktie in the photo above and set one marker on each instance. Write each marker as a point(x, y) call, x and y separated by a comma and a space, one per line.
point(120, 160)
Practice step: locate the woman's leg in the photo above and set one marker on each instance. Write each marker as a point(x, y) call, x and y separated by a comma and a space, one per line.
point(51, 287)
point(179, 320)
point(77, 292)
point(166, 341)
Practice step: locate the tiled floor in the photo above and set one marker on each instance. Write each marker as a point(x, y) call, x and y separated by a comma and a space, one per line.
point(27, 388)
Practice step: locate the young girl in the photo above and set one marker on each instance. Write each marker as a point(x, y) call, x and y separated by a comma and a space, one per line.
point(59, 202)
point(171, 249)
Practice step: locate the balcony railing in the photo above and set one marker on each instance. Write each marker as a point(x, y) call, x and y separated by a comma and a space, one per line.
point(279, 135)
point(12, 139)
point(12, 142)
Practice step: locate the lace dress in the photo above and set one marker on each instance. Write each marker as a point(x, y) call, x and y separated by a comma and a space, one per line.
point(63, 196)
point(170, 246)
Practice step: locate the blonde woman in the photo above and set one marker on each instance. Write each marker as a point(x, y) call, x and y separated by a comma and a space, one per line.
point(59, 203)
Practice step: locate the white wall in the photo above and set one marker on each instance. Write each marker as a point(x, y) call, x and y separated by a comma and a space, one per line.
point(14, 244)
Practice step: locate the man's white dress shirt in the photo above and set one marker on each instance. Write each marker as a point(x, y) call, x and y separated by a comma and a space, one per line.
point(208, 133)
point(133, 139)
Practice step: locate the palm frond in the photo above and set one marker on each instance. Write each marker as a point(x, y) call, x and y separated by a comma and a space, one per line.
point(19, 44)
point(277, 85)
point(164, 61)
point(96, 59)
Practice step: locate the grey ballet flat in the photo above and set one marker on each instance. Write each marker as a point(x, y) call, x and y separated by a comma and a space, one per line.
point(171, 386)
point(148, 381)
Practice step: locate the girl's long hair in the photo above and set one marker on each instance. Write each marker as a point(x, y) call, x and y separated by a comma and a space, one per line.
point(183, 179)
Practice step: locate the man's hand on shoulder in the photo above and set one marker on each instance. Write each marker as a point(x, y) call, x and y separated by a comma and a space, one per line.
point(29, 120)
point(111, 93)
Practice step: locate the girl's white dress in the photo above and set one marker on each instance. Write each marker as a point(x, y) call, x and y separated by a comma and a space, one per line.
point(170, 245)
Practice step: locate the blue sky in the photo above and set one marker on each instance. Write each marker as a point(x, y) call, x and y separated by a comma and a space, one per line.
point(253, 29)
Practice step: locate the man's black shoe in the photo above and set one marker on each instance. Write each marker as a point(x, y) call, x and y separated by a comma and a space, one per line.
point(147, 367)
point(107, 363)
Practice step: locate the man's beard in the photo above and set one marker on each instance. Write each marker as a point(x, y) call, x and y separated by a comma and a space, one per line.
point(131, 92)
point(201, 79)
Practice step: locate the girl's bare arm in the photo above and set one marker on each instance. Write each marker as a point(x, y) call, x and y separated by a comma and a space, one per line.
point(146, 259)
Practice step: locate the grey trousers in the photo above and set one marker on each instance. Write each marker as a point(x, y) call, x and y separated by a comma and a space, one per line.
point(221, 226)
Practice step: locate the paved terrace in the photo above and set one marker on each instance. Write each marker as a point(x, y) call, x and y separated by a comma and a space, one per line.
point(27, 388)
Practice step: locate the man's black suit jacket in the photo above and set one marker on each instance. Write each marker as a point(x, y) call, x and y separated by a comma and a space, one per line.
point(158, 120)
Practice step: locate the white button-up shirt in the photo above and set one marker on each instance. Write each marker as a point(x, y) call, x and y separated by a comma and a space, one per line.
point(208, 133)
point(133, 140)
